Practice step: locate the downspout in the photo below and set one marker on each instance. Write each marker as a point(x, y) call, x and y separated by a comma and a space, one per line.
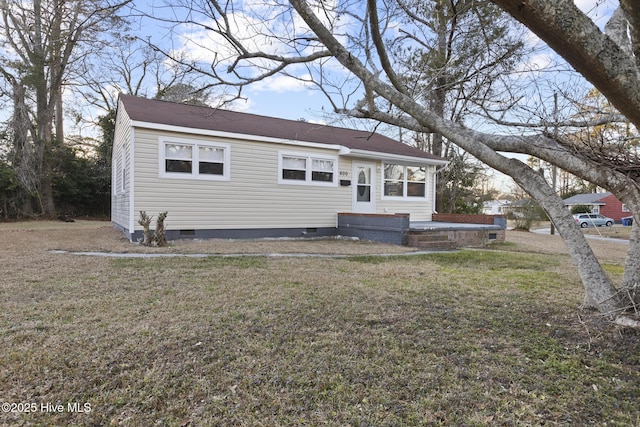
point(436, 169)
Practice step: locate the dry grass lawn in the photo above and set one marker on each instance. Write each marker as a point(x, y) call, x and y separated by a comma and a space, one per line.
point(475, 337)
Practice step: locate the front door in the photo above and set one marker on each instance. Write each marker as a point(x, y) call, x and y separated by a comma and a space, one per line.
point(364, 187)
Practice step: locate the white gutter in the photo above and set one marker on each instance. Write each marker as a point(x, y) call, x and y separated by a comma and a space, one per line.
point(342, 150)
point(234, 135)
point(398, 157)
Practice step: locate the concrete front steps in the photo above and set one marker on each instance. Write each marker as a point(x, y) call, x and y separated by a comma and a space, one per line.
point(431, 240)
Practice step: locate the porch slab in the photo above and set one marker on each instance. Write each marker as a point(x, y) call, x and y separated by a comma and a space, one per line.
point(477, 231)
point(437, 225)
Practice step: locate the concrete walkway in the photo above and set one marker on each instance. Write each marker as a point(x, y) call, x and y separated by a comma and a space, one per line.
point(436, 225)
point(268, 255)
point(588, 236)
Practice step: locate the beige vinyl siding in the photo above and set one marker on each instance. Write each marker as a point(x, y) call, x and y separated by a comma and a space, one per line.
point(121, 161)
point(419, 211)
point(252, 198)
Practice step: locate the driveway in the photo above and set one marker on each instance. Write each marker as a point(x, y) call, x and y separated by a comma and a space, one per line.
point(588, 236)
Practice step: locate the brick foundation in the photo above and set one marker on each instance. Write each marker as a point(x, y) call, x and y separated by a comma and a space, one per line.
point(500, 220)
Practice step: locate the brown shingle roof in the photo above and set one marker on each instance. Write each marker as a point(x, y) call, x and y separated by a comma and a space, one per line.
point(191, 116)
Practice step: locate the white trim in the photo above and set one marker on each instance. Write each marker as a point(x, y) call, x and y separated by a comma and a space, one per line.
point(357, 206)
point(433, 189)
point(121, 171)
point(115, 172)
point(342, 150)
point(233, 135)
point(308, 169)
point(409, 160)
point(132, 207)
point(195, 144)
point(405, 186)
point(118, 181)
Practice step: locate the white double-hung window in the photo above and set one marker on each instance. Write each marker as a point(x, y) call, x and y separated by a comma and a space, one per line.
point(295, 168)
point(402, 181)
point(189, 159)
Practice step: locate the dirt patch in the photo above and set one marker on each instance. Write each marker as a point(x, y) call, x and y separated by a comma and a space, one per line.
point(100, 236)
point(606, 251)
point(22, 238)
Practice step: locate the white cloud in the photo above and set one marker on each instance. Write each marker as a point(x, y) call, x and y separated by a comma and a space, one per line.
point(541, 61)
point(258, 27)
point(586, 5)
point(591, 6)
point(598, 10)
point(281, 83)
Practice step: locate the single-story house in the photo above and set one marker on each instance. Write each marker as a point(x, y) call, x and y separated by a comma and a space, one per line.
point(228, 174)
point(495, 207)
point(603, 203)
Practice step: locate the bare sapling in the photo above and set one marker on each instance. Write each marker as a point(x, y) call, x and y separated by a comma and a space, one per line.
point(159, 237)
point(144, 221)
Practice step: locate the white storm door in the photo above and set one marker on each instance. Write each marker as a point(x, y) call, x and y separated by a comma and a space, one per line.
point(364, 188)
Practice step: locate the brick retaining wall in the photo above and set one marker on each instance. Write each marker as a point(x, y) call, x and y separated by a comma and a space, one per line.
point(500, 220)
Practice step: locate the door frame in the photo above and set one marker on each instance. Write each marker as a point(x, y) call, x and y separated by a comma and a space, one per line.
point(364, 207)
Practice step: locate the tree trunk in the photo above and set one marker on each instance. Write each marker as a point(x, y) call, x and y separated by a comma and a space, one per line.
point(46, 190)
point(59, 118)
point(438, 95)
point(573, 34)
point(599, 290)
point(630, 289)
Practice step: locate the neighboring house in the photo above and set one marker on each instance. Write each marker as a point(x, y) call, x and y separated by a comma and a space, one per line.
point(603, 203)
point(227, 174)
point(495, 207)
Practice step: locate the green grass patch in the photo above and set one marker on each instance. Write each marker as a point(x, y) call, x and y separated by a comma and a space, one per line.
point(491, 259)
point(613, 269)
point(464, 338)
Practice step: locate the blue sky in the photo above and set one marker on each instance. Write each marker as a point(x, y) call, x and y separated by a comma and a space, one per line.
point(284, 97)
point(284, 101)
point(279, 95)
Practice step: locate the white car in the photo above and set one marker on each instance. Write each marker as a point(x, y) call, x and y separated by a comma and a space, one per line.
point(596, 220)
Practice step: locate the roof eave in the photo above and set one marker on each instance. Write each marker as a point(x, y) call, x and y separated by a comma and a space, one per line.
point(585, 203)
point(341, 149)
point(234, 135)
point(396, 157)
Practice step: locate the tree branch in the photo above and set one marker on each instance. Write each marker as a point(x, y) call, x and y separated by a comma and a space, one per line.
point(576, 38)
point(380, 48)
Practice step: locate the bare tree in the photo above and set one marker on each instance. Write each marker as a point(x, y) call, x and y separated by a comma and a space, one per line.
point(608, 60)
point(42, 40)
point(343, 49)
point(129, 65)
point(460, 55)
